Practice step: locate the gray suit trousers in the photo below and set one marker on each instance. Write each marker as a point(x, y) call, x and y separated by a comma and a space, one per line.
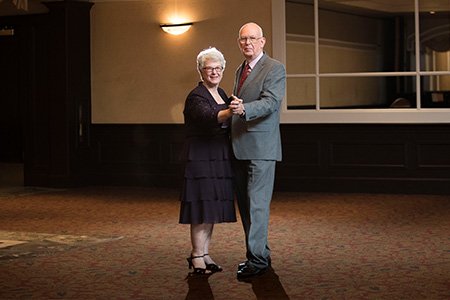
point(254, 188)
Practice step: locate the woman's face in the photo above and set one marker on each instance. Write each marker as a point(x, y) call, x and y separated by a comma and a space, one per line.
point(212, 72)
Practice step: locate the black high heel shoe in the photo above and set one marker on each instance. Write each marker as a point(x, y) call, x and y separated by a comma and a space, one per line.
point(197, 271)
point(213, 267)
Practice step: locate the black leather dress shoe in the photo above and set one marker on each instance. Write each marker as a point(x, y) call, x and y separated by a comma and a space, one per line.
point(244, 263)
point(249, 271)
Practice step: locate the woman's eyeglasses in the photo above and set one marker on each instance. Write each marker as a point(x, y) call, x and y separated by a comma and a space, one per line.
point(209, 70)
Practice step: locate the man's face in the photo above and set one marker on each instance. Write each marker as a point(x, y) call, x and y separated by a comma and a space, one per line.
point(251, 42)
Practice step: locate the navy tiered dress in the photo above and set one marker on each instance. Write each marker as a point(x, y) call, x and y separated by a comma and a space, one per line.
point(207, 193)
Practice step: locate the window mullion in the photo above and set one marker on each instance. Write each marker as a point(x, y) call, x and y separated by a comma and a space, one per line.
point(417, 49)
point(316, 49)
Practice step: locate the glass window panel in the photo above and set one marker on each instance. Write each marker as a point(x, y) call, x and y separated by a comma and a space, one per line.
point(300, 17)
point(300, 57)
point(436, 91)
point(436, 83)
point(301, 93)
point(383, 31)
point(300, 54)
point(347, 59)
point(434, 20)
point(352, 92)
point(406, 45)
point(365, 92)
point(353, 38)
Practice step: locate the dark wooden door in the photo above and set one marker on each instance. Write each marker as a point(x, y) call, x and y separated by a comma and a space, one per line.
point(11, 106)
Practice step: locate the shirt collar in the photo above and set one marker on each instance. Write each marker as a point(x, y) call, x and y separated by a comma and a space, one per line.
point(255, 61)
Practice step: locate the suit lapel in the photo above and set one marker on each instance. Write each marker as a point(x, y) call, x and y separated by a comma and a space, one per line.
point(254, 72)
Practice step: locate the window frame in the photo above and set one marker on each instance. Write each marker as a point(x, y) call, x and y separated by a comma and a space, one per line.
point(415, 115)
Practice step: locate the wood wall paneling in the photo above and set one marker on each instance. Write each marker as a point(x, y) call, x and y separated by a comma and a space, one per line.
point(377, 158)
point(324, 158)
point(143, 155)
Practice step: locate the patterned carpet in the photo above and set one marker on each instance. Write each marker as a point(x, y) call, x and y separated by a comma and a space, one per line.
point(125, 243)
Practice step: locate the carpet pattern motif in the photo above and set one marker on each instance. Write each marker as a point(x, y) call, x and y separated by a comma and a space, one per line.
point(324, 246)
point(15, 244)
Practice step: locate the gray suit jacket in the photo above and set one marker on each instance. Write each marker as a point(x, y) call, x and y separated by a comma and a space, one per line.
point(257, 134)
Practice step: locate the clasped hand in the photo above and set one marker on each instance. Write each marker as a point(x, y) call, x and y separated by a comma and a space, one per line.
point(236, 106)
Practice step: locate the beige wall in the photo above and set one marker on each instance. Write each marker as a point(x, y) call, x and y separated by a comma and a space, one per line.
point(141, 74)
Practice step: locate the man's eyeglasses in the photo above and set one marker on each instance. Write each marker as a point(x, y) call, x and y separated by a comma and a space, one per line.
point(252, 39)
point(209, 70)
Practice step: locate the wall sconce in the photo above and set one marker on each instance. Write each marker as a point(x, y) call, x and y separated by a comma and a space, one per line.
point(6, 30)
point(176, 29)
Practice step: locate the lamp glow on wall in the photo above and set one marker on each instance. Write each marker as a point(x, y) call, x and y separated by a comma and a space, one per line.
point(176, 29)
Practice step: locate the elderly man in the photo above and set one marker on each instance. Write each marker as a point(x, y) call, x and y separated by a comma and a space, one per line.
point(258, 92)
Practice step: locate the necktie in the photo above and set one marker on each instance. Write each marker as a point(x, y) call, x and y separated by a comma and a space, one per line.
point(244, 75)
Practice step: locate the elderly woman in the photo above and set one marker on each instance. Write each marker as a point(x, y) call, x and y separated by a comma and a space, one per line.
point(207, 193)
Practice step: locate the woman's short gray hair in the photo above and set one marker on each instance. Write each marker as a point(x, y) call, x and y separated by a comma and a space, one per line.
point(210, 54)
